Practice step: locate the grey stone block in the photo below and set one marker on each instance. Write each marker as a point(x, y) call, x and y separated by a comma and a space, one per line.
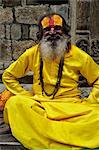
point(16, 31)
point(8, 32)
point(7, 64)
point(0, 2)
point(63, 10)
point(83, 14)
point(30, 14)
point(25, 31)
point(6, 15)
point(33, 32)
point(94, 17)
point(2, 31)
point(5, 50)
point(11, 2)
point(19, 47)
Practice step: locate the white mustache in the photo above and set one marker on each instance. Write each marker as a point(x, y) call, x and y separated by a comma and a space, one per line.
point(50, 37)
point(52, 48)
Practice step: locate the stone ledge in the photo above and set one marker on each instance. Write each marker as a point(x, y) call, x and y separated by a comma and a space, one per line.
point(12, 147)
point(52, 2)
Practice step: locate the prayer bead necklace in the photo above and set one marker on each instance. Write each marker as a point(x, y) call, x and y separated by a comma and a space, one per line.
point(59, 76)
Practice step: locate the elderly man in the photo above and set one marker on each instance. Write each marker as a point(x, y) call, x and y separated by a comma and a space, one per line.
point(53, 115)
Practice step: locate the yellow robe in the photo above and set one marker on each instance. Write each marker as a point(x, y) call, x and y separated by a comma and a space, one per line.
point(38, 121)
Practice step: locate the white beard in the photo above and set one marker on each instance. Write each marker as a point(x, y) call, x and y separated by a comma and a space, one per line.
point(48, 51)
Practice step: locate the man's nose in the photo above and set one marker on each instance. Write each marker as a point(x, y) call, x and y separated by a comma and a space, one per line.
point(52, 30)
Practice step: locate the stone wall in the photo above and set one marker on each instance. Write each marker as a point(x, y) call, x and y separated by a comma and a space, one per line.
point(19, 19)
point(87, 27)
point(18, 25)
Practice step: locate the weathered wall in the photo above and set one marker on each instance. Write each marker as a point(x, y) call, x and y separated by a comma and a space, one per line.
point(87, 27)
point(18, 25)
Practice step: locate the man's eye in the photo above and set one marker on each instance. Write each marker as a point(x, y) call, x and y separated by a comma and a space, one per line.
point(46, 34)
point(47, 29)
point(58, 28)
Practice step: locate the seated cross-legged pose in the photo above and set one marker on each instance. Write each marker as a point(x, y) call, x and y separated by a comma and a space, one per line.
point(53, 115)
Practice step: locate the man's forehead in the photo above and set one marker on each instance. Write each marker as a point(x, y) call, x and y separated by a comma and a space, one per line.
point(54, 20)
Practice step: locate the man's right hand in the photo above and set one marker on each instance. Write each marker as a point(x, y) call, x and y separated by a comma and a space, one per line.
point(4, 96)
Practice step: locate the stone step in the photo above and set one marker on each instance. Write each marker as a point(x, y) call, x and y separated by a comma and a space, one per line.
point(11, 147)
point(7, 141)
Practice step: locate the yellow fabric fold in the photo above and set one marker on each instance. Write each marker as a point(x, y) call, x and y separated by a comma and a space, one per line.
point(77, 61)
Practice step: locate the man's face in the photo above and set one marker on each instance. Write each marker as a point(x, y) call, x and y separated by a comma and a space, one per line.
point(53, 35)
point(53, 42)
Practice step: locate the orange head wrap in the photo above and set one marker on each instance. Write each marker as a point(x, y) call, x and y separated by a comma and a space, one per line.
point(52, 21)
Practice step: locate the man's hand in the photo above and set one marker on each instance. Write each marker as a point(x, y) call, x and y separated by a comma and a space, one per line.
point(4, 96)
point(1, 104)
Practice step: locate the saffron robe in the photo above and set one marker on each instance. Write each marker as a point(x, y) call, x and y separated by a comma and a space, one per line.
point(67, 121)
